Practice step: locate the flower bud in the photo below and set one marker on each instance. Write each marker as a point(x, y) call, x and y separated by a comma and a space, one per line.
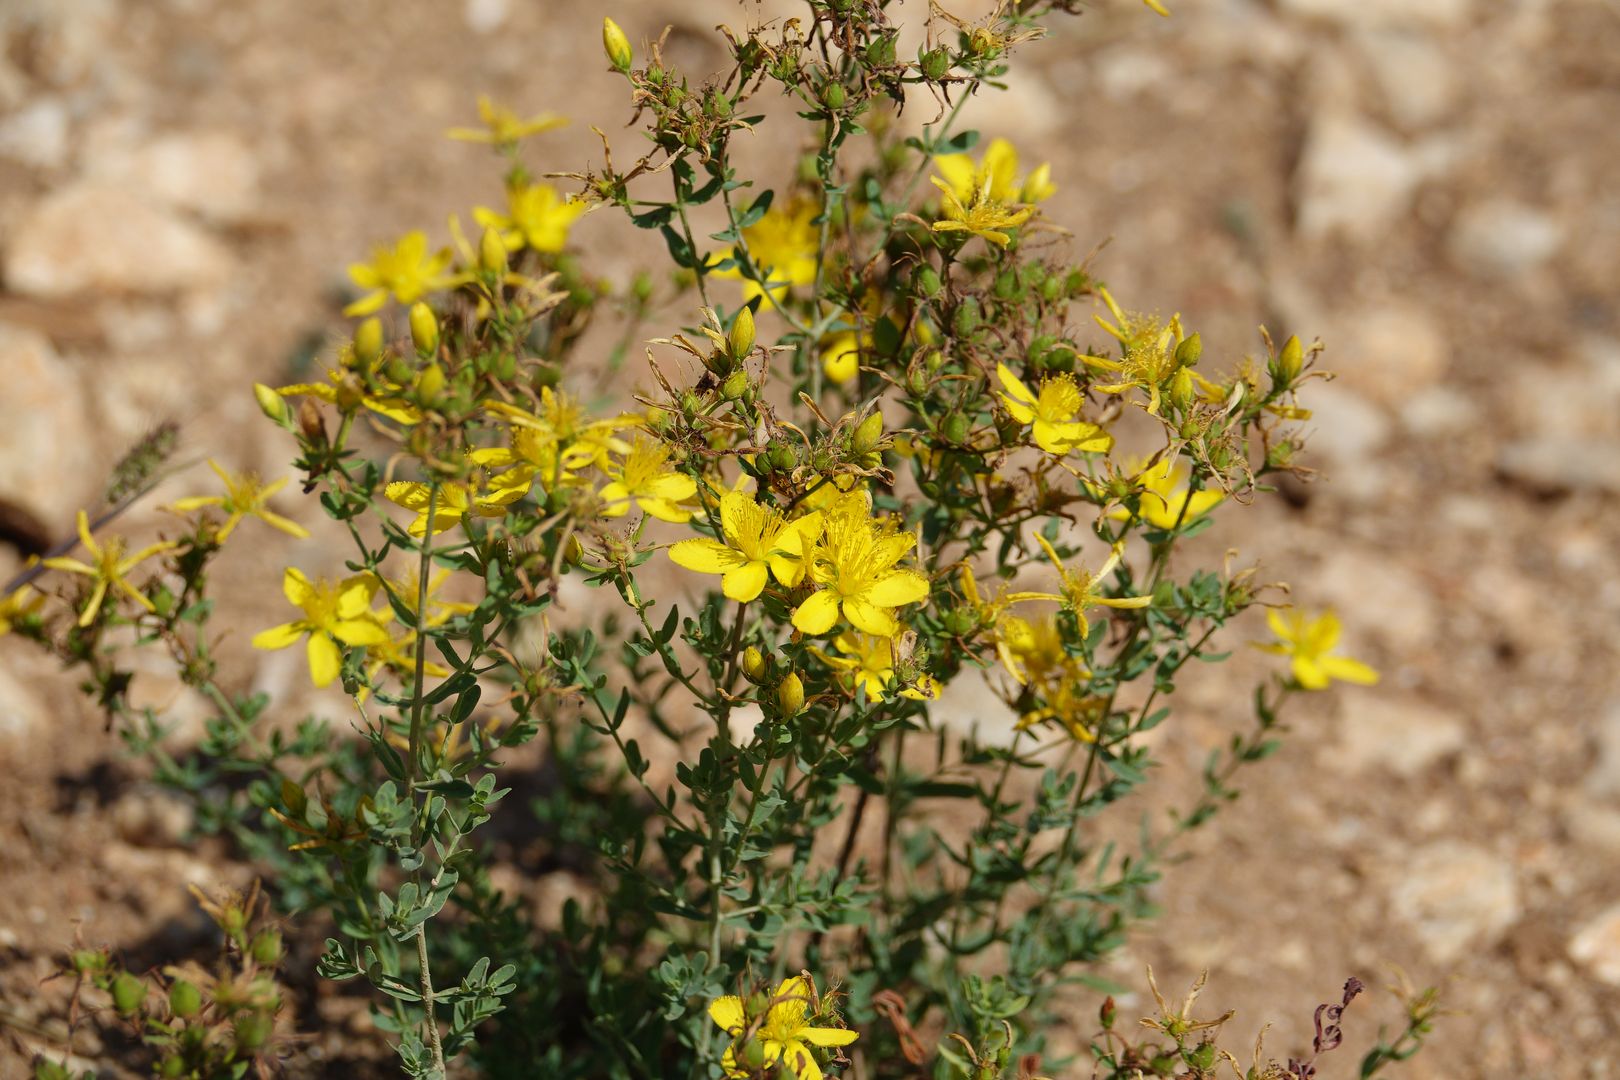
point(1289, 361)
point(492, 252)
point(424, 329)
point(917, 382)
point(832, 95)
point(735, 386)
point(271, 403)
point(266, 947)
point(753, 663)
point(253, 1030)
point(752, 1056)
point(867, 433)
point(934, 63)
point(790, 695)
point(741, 339)
point(1181, 389)
point(430, 384)
point(310, 422)
point(783, 456)
point(616, 45)
point(85, 961)
point(1188, 352)
point(368, 341)
point(128, 993)
point(956, 428)
point(926, 281)
point(399, 370)
point(185, 1000)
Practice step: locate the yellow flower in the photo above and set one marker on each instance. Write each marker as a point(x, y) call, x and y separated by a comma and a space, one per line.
point(1307, 642)
point(109, 568)
point(784, 1032)
point(841, 357)
point(1165, 503)
point(406, 271)
point(1151, 356)
point(1080, 588)
point(978, 215)
point(854, 569)
point(782, 245)
point(18, 605)
point(538, 217)
point(503, 127)
point(245, 496)
point(759, 542)
point(1032, 652)
point(1066, 701)
point(1054, 412)
point(335, 614)
point(998, 167)
point(453, 502)
point(645, 475)
point(870, 661)
point(346, 392)
point(398, 653)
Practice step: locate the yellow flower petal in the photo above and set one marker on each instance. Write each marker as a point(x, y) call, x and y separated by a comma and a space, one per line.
point(705, 556)
point(325, 659)
point(728, 1013)
point(278, 637)
point(818, 613)
point(745, 583)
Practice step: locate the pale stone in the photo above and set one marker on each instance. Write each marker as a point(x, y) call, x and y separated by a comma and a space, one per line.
point(1390, 350)
point(23, 716)
point(152, 818)
point(1398, 735)
point(1382, 13)
point(1558, 464)
point(486, 16)
point(1353, 178)
point(1604, 778)
point(1438, 411)
point(1381, 597)
point(100, 238)
point(1455, 898)
point(37, 135)
point(213, 173)
point(1418, 83)
point(1597, 946)
point(47, 444)
point(1504, 238)
point(1344, 435)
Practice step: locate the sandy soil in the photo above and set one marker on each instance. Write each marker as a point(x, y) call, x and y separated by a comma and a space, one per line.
point(1425, 186)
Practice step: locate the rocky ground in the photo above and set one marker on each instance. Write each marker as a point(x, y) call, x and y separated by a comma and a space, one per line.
point(1424, 185)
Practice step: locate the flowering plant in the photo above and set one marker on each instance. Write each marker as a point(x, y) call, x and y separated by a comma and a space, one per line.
point(884, 617)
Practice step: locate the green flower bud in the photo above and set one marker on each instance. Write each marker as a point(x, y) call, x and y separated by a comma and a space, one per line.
point(1181, 389)
point(368, 341)
point(934, 64)
point(960, 621)
point(185, 1000)
point(424, 329)
point(783, 456)
point(271, 403)
point(430, 384)
point(753, 663)
point(966, 319)
point(741, 338)
point(253, 1030)
point(926, 281)
point(867, 434)
point(617, 46)
point(399, 370)
point(956, 428)
point(1188, 352)
point(832, 95)
point(736, 385)
point(917, 382)
point(85, 961)
point(128, 993)
point(266, 947)
point(880, 52)
point(752, 1055)
point(790, 695)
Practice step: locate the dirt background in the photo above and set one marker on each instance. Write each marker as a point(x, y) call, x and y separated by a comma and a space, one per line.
point(1427, 186)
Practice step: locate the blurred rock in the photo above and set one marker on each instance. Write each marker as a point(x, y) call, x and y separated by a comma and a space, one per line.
point(1503, 237)
point(1383, 13)
point(1438, 411)
point(1353, 178)
point(486, 16)
point(1456, 898)
point(37, 135)
point(94, 237)
point(1390, 350)
point(1396, 735)
point(1604, 779)
point(23, 715)
point(1381, 597)
point(1416, 81)
point(1597, 946)
point(1561, 464)
point(1344, 436)
point(67, 38)
point(214, 173)
point(42, 408)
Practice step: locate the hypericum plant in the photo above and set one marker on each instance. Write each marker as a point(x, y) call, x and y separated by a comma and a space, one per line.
point(887, 460)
